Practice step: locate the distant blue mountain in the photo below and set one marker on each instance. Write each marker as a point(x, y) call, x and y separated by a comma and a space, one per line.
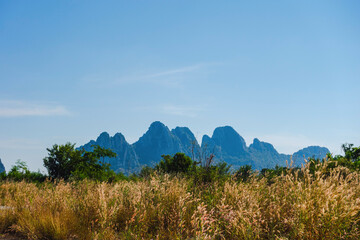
point(126, 161)
point(305, 153)
point(2, 168)
point(158, 140)
point(226, 144)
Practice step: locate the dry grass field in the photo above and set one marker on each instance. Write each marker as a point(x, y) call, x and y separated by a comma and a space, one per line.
point(293, 206)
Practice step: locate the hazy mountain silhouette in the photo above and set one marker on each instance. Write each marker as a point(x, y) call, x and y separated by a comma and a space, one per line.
point(226, 144)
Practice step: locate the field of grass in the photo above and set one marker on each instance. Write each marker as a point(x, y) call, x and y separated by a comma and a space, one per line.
point(297, 205)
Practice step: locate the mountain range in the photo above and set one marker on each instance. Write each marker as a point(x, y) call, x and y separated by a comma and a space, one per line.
point(225, 143)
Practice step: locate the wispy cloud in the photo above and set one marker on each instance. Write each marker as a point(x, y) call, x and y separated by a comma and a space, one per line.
point(175, 71)
point(172, 77)
point(10, 108)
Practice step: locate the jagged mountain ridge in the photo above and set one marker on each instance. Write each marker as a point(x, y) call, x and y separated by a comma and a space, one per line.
point(126, 159)
point(226, 144)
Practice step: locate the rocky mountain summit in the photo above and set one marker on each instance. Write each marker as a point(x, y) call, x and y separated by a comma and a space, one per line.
point(156, 141)
point(2, 168)
point(225, 143)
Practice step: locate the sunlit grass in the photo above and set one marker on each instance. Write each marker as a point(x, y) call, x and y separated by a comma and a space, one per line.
point(319, 206)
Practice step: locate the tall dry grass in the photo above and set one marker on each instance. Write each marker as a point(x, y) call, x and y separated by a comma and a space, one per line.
point(295, 206)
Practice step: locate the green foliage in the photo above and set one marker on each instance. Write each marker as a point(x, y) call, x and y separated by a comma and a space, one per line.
point(66, 162)
point(212, 173)
point(351, 153)
point(350, 160)
point(20, 172)
point(90, 167)
point(272, 172)
point(179, 163)
point(244, 173)
point(120, 177)
point(146, 172)
point(62, 160)
point(184, 165)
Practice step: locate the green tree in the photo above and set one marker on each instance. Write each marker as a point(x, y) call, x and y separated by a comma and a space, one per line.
point(351, 153)
point(65, 162)
point(179, 163)
point(351, 159)
point(92, 165)
point(62, 160)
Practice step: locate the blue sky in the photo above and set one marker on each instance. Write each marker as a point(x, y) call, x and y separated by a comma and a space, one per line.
point(286, 72)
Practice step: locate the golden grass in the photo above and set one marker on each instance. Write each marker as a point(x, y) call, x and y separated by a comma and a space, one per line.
point(164, 207)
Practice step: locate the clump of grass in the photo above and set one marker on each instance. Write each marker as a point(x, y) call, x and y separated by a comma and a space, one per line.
point(296, 205)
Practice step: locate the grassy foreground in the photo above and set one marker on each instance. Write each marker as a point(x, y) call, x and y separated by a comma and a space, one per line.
point(296, 205)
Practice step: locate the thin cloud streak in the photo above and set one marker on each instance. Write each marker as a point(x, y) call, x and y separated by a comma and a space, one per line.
point(9, 109)
point(170, 77)
point(175, 71)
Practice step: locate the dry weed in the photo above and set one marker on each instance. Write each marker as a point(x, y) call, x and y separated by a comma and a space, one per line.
point(295, 206)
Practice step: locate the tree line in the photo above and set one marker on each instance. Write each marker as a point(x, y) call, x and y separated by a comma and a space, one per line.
point(67, 163)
